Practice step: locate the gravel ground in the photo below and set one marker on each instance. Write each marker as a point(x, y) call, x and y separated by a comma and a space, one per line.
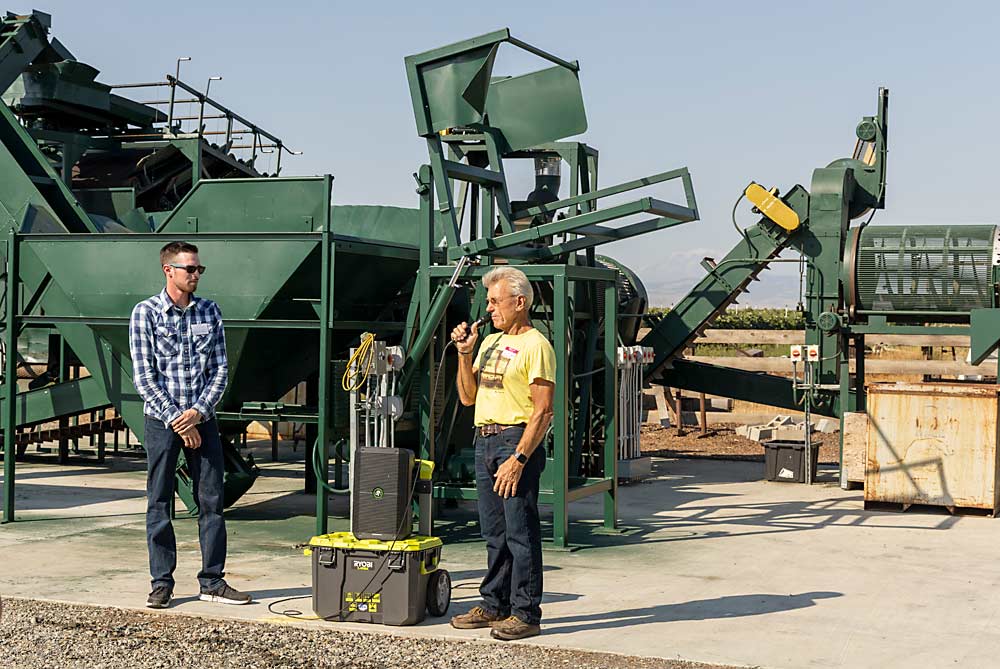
point(722, 443)
point(43, 635)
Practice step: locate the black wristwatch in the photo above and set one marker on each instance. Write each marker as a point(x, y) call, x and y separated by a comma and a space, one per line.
point(521, 457)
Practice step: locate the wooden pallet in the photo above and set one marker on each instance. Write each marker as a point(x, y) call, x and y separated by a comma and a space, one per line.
point(901, 507)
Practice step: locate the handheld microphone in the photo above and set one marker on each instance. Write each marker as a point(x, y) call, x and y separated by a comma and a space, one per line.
point(480, 322)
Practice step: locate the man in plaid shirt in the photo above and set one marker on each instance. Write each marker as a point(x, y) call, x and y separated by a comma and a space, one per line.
point(180, 369)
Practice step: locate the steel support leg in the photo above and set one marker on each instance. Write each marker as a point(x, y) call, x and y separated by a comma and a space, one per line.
point(323, 394)
point(561, 330)
point(10, 380)
point(610, 404)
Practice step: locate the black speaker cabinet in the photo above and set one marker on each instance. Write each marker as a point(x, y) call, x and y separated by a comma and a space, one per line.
point(383, 479)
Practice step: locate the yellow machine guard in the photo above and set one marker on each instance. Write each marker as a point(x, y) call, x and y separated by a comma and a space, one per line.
point(772, 207)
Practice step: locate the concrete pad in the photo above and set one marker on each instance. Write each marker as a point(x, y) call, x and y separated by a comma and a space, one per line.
point(721, 566)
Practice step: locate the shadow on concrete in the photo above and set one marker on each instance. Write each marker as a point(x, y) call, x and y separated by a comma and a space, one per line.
point(719, 608)
point(688, 522)
point(291, 504)
point(41, 497)
point(57, 472)
point(258, 595)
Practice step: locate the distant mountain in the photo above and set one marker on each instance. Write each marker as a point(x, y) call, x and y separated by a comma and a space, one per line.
point(679, 272)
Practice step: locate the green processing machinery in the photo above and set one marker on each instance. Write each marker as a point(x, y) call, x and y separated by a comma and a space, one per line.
point(95, 182)
point(860, 280)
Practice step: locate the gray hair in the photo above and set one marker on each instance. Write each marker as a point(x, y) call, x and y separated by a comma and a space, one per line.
point(516, 280)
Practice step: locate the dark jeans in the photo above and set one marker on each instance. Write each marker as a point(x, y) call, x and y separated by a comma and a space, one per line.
point(205, 466)
point(512, 530)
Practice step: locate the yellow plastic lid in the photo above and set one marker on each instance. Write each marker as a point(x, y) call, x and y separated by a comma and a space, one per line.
point(347, 541)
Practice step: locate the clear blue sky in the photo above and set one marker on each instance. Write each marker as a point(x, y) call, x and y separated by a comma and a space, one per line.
point(735, 91)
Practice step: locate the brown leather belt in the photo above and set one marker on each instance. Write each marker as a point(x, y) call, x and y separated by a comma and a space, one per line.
point(495, 428)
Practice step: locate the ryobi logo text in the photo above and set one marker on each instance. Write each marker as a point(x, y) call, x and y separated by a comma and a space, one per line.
point(363, 565)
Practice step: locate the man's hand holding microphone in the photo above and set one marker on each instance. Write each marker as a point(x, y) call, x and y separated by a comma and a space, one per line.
point(466, 336)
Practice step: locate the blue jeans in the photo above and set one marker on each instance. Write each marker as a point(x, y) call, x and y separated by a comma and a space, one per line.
point(205, 465)
point(512, 530)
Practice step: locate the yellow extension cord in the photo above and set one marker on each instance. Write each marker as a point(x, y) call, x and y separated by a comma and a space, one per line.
point(364, 356)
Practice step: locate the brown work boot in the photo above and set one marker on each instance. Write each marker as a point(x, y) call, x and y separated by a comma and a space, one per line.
point(513, 628)
point(476, 618)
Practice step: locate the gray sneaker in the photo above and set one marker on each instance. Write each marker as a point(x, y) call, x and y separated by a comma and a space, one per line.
point(224, 594)
point(160, 597)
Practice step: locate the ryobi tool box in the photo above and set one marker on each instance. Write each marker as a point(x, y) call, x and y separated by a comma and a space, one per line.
point(374, 581)
point(380, 572)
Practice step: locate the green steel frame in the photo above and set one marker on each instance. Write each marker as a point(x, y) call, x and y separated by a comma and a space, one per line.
point(471, 122)
point(110, 383)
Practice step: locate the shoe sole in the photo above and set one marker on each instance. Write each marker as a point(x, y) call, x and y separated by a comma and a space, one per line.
point(216, 599)
point(151, 605)
point(507, 637)
point(474, 626)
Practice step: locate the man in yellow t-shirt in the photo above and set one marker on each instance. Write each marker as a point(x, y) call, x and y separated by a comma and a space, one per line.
point(512, 383)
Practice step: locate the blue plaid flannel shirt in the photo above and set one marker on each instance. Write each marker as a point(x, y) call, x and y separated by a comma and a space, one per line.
point(178, 356)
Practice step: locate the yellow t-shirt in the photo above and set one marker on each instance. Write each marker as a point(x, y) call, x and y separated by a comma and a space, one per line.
point(511, 364)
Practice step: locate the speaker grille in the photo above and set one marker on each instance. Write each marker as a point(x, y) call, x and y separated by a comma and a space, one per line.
point(383, 478)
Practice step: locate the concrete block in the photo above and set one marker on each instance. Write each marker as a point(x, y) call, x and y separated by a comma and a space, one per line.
point(719, 404)
point(635, 469)
point(778, 421)
point(789, 433)
point(743, 431)
point(761, 433)
point(826, 425)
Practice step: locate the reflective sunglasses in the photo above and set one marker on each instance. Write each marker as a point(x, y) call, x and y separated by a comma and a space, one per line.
point(191, 269)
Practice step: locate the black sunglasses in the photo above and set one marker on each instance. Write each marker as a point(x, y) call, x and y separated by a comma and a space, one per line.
point(191, 269)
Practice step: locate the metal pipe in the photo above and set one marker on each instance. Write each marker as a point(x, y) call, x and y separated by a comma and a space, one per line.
point(204, 116)
point(143, 85)
point(201, 108)
point(248, 146)
point(223, 108)
point(173, 90)
point(168, 101)
point(574, 66)
point(864, 312)
point(702, 416)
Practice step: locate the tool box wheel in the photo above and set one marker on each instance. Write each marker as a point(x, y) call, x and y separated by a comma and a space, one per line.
point(438, 593)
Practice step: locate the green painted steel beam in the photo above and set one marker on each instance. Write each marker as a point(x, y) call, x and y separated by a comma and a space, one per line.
point(24, 38)
point(739, 384)
point(984, 330)
point(593, 486)
point(472, 174)
point(594, 195)
point(68, 398)
point(943, 330)
point(723, 283)
point(496, 245)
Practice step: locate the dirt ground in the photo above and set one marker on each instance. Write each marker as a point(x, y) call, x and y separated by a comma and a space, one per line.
point(722, 443)
point(38, 634)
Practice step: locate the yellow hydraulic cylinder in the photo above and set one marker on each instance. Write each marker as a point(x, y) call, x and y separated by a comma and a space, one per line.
point(772, 207)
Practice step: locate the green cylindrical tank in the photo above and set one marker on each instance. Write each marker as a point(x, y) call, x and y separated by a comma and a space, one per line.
point(920, 268)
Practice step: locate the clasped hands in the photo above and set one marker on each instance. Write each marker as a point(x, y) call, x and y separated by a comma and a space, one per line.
point(186, 425)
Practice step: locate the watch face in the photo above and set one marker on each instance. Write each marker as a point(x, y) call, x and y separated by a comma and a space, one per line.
point(521, 457)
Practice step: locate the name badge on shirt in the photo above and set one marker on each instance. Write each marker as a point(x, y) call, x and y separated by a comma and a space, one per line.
point(201, 329)
point(508, 352)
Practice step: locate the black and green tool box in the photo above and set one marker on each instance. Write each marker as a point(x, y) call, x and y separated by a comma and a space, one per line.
point(373, 581)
